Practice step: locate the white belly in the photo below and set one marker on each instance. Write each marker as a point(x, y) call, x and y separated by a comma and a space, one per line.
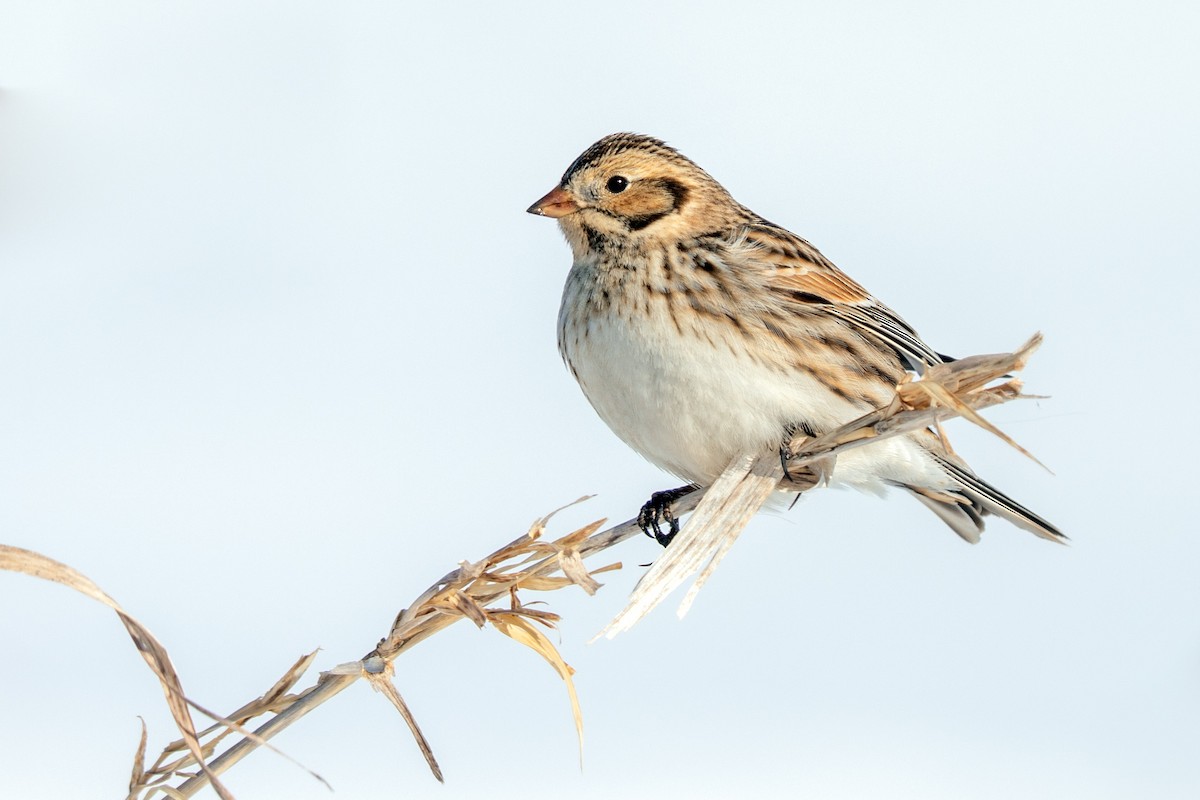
point(689, 406)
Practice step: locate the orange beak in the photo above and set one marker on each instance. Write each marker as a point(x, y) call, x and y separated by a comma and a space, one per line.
point(558, 203)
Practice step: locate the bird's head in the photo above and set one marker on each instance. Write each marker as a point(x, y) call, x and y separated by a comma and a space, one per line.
point(628, 188)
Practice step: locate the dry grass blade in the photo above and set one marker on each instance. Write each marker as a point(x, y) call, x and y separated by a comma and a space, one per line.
point(947, 385)
point(306, 701)
point(464, 604)
point(269, 701)
point(972, 373)
point(938, 395)
point(727, 507)
point(515, 626)
point(733, 513)
point(16, 559)
point(138, 778)
point(571, 561)
point(526, 563)
point(176, 758)
point(233, 726)
point(541, 584)
point(382, 682)
point(279, 689)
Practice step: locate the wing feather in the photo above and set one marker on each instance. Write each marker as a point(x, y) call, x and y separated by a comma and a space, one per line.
point(797, 270)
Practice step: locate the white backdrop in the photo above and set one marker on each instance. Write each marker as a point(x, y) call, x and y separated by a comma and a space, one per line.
point(277, 350)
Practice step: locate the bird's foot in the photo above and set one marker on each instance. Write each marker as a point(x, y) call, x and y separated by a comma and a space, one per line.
point(785, 456)
point(657, 510)
point(807, 475)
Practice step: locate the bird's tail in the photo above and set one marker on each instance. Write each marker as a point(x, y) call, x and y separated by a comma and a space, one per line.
point(964, 507)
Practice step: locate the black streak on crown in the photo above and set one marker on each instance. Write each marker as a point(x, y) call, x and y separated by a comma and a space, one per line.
point(618, 143)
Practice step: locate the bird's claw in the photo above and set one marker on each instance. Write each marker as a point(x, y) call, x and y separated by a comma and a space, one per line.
point(657, 510)
point(785, 455)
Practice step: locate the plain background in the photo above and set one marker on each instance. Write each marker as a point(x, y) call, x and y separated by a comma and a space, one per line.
point(277, 351)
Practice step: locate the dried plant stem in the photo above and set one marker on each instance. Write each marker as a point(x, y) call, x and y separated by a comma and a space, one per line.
point(408, 631)
point(324, 689)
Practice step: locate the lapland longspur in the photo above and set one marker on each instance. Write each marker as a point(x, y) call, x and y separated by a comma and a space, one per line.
point(700, 331)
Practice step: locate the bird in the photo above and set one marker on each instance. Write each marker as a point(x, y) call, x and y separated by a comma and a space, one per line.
point(698, 331)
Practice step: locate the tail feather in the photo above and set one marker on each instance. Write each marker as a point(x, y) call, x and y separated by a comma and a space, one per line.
point(983, 498)
point(965, 518)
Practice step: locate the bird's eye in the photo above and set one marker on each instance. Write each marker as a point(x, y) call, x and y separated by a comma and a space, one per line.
point(616, 184)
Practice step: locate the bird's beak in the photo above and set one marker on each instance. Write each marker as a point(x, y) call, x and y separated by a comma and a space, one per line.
point(558, 203)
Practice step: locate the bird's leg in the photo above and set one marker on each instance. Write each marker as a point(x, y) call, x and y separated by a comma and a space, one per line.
point(785, 452)
point(658, 510)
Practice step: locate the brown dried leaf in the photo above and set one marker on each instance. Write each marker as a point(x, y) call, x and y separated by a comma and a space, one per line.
point(973, 372)
point(940, 396)
point(539, 525)
point(466, 605)
point(547, 618)
point(382, 682)
point(16, 559)
point(540, 583)
point(468, 571)
point(138, 779)
point(516, 627)
point(234, 726)
point(272, 698)
point(294, 673)
point(571, 561)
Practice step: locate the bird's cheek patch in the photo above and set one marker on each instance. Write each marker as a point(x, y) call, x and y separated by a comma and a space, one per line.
point(649, 201)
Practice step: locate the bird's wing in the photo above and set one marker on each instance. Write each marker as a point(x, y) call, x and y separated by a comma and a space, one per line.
point(796, 270)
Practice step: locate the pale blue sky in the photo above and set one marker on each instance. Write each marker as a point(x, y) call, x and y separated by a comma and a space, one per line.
point(277, 350)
